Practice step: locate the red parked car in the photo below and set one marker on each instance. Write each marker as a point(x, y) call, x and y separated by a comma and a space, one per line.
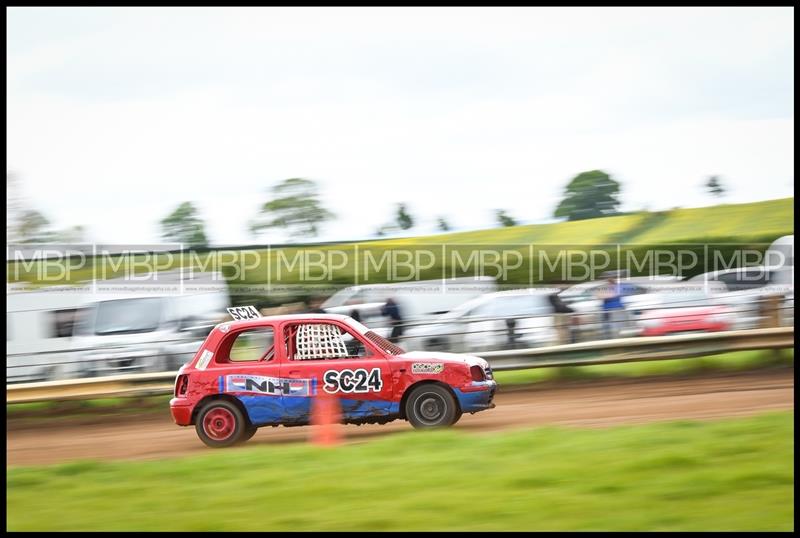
point(664, 321)
point(266, 372)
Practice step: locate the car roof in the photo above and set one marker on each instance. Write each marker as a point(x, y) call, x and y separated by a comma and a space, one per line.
point(713, 274)
point(288, 317)
point(525, 291)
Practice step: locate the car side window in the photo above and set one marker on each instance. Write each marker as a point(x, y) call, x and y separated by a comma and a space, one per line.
point(482, 311)
point(253, 345)
point(322, 341)
point(740, 280)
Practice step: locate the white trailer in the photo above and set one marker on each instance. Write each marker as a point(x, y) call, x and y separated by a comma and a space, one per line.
point(39, 325)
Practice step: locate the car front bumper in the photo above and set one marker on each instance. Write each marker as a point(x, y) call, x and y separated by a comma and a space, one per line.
point(477, 396)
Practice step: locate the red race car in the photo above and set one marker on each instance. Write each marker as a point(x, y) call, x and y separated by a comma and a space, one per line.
point(265, 371)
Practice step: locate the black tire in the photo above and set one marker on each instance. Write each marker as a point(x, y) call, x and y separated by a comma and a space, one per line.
point(220, 424)
point(457, 418)
point(249, 432)
point(431, 406)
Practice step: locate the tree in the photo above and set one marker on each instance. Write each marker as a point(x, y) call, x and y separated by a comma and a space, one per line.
point(404, 220)
point(714, 186)
point(74, 234)
point(184, 226)
point(295, 207)
point(13, 208)
point(442, 224)
point(504, 219)
point(32, 227)
point(24, 224)
point(589, 195)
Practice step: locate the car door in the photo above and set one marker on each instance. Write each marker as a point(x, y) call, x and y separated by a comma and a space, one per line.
point(501, 323)
point(481, 330)
point(249, 370)
point(536, 327)
point(329, 358)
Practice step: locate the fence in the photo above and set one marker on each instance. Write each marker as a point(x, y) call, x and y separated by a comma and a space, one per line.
point(600, 352)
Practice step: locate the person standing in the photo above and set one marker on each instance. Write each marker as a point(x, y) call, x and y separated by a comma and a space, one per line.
point(392, 310)
point(611, 295)
point(564, 318)
point(314, 305)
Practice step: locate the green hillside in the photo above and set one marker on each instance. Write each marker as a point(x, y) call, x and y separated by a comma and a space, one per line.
point(753, 225)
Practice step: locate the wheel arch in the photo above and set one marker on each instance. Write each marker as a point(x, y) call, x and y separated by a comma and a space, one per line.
point(215, 397)
point(410, 388)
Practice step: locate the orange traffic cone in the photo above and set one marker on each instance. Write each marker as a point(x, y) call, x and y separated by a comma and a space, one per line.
point(326, 418)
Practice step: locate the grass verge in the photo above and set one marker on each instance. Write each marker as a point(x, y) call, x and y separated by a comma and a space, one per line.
point(733, 362)
point(734, 474)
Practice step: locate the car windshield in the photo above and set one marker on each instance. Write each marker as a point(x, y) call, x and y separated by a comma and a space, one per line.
point(122, 316)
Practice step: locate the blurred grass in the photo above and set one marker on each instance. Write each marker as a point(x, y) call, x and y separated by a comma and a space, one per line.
point(733, 362)
point(734, 474)
point(95, 407)
point(744, 221)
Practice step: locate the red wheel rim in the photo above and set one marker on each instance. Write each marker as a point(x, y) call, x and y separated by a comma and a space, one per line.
point(219, 424)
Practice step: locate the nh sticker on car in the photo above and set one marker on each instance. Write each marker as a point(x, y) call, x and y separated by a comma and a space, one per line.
point(274, 386)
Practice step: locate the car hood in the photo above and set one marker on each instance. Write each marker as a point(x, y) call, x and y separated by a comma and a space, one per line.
point(153, 338)
point(452, 358)
point(436, 326)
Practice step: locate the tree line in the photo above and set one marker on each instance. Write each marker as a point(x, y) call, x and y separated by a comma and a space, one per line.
point(295, 207)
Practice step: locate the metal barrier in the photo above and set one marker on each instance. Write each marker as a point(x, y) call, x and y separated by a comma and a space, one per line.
point(599, 352)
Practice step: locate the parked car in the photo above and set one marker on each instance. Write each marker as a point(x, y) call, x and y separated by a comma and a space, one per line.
point(584, 300)
point(417, 300)
point(500, 320)
point(267, 371)
point(684, 309)
point(745, 289)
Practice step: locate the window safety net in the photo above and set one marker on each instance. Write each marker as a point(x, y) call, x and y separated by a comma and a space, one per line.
point(318, 341)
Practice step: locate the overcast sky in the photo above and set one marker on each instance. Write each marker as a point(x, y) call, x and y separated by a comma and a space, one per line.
point(116, 115)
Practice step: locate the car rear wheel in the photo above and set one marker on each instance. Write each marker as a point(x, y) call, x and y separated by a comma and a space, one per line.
point(249, 432)
point(221, 424)
point(431, 406)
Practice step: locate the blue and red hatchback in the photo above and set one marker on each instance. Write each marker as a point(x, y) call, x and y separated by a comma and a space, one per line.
point(267, 371)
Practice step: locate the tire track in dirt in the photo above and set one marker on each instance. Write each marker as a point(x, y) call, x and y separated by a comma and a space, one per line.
point(583, 404)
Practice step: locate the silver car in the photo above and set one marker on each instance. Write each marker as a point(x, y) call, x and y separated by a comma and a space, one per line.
point(501, 320)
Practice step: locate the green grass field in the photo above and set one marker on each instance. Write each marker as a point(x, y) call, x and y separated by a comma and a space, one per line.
point(735, 474)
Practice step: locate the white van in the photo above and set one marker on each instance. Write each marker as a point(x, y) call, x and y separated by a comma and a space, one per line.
point(39, 325)
point(147, 330)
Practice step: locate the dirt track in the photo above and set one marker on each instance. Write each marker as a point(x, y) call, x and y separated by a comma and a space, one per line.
point(592, 404)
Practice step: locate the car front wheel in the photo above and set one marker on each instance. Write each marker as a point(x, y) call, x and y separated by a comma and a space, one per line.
point(431, 406)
